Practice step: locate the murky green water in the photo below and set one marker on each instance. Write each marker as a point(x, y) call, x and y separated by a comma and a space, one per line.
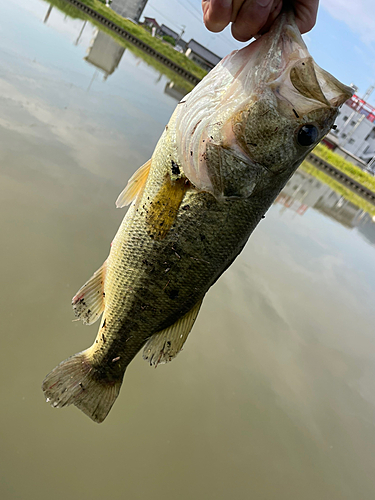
point(273, 396)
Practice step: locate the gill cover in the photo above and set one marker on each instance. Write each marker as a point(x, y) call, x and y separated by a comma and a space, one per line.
point(274, 74)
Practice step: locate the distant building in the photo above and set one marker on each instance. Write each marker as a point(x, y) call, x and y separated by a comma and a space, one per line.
point(129, 8)
point(165, 31)
point(104, 53)
point(354, 137)
point(182, 45)
point(201, 56)
point(151, 23)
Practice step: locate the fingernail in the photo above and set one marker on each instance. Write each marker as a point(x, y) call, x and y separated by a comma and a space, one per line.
point(226, 3)
point(263, 3)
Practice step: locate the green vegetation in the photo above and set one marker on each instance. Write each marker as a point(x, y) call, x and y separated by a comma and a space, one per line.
point(145, 36)
point(169, 39)
point(347, 193)
point(75, 13)
point(68, 9)
point(345, 166)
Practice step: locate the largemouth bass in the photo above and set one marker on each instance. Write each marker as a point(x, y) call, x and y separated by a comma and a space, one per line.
point(227, 151)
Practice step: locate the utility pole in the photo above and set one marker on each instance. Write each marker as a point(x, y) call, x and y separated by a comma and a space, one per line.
point(180, 35)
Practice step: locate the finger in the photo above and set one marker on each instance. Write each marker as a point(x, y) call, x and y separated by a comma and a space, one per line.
point(236, 6)
point(216, 14)
point(306, 12)
point(275, 11)
point(251, 18)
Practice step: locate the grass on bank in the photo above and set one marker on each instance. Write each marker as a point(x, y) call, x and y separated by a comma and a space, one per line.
point(136, 30)
point(345, 166)
point(339, 188)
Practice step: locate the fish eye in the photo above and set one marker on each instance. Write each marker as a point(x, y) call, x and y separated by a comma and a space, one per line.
point(307, 135)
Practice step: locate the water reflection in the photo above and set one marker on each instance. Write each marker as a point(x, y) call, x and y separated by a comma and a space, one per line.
point(105, 48)
point(366, 228)
point(303, 191)
point(174, 91)
point(104, 53)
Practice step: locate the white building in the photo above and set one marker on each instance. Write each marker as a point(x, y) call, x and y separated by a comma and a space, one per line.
point(354, 136)
point(129, 8)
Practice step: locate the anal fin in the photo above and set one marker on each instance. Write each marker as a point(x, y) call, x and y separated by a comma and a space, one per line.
point(134, 186)
point(165, 345)
point(88, 302)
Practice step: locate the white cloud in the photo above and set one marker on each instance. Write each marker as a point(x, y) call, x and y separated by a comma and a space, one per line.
point(359, 15)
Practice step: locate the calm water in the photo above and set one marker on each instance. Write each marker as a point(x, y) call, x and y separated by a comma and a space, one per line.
point(273, 396)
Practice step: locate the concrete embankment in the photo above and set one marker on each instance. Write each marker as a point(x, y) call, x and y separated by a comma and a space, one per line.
point(338, 175)
point(136, 41)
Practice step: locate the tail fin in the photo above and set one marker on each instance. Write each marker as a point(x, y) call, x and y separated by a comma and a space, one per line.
point(75, 381)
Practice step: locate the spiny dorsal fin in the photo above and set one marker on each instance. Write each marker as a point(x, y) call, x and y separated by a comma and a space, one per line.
point(88, 302)
point(165, 345)
point(134, 186)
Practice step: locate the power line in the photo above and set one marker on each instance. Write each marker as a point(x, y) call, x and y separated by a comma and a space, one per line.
point(165, 17)
point(200, 19)
point(199, 12)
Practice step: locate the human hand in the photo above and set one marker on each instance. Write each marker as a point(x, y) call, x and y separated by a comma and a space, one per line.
point(253, 17)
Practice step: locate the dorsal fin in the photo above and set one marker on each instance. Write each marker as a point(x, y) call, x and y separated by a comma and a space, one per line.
point(88, 302)
point(134, 185)
point(165, 345)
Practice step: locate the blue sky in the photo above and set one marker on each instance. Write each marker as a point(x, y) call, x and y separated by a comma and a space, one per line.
point(342, 41)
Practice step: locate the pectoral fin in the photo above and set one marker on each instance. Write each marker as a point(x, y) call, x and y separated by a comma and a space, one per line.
point(88, 302)
point(134, 186)
point(165, 345)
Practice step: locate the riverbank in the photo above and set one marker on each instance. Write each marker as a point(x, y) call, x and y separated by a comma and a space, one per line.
point(356, 173)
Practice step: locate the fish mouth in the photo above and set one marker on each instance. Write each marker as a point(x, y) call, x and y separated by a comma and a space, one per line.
point(334, 91)
point(282, 58)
